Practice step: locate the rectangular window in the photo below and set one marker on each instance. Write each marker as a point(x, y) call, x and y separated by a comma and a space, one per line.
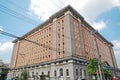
point(67, 72)
point(32, 74)
point(55, 74)
point(81, 71)
point(77, 72)
point(61, 72)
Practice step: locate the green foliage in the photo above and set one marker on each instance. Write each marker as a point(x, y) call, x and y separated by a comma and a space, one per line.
point(43, 77)
point(93, 67)
point(106, 71)
point(24, 75)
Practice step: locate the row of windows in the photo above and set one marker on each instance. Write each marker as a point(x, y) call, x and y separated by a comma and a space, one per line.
point(60, 36)
point(55, 72)
point(81, 72)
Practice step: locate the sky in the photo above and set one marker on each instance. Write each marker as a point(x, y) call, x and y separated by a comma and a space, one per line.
point(20, 16)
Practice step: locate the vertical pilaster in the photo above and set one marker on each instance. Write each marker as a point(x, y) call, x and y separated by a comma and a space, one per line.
point(81, 37)
point(113, 57)
point(14, 54)
point(54, 38)
point(70, 49)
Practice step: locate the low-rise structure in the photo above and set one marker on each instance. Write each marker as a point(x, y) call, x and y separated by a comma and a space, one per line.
point(3, 70)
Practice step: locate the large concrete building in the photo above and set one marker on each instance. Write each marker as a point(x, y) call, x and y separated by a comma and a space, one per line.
point(61, 47)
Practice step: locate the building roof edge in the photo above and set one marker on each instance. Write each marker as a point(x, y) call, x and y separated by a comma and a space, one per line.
point(58, 14)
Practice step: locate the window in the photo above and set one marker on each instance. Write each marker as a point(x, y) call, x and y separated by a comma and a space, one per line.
point(58, 23)
point(58, 35)
point(67, 72)
point(62, 21)
point(61, 72)
point(36, 73)
point(84, 72)
point(42, 73)
point(81, 71)
point(49, 73)
point(55, 74)
point(32, 74)
point(76, 71)
point(59, 44)
point(63, 52)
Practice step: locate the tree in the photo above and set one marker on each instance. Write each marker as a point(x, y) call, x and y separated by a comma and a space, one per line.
point(92, 68)
point(43, 77)
point(24, 75)
point(106, 71)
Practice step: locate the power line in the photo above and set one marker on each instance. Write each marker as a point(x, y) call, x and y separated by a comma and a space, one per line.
point(55, 4)
point(39, 44)
point(14, 4)
point(21, 38)
point(61, 2)
point(16, 14)
point(46, 5)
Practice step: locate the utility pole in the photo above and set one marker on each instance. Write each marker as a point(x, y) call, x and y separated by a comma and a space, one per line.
point(97, 55)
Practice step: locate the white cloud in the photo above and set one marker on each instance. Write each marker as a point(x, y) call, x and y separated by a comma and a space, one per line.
point(99, 25)
point(1, 28)
point(117, 50)
point(93, 8)
point(5, 47)
point(7, 61)
point(90, 9)
point(5, 50)
point(116, 46)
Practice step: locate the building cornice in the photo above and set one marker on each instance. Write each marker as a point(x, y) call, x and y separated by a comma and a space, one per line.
point(59, 14)
point(50, 20)
point(74, 58)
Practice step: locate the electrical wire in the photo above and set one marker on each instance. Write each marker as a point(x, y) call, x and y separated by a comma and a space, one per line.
point(55, 4)
point(16, 15)
point(18, 7)
point(13, 4)
point(48, 7)
point(21, 38)
point(61, 2)
point(39, 44)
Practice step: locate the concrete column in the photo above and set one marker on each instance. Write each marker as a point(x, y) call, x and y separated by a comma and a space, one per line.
point(71, 72)
point(81, 37)
point(83, 73)
point(70, 49)
point(113, 57)
point(16, 54)
point(54, 39)
point(53, 68)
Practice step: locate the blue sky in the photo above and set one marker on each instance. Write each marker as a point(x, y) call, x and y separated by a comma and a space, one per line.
point(20, 16)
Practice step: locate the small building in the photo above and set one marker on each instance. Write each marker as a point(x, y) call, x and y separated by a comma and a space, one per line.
point(3, 70)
